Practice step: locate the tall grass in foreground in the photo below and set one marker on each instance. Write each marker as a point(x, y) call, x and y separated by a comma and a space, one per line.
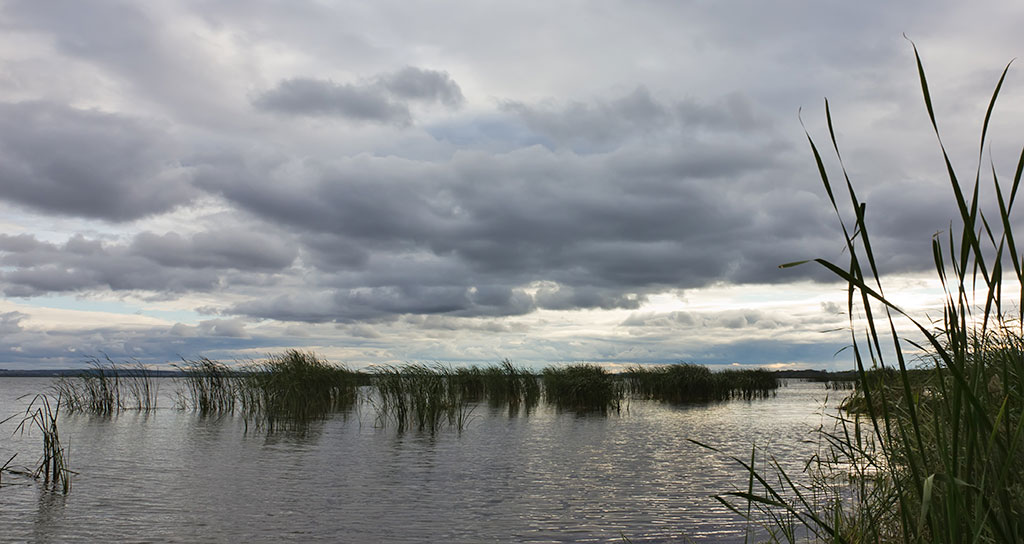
point(108, 388)
point(936, 461)
point(41, 415)
point(682, 383)
point(582, 388)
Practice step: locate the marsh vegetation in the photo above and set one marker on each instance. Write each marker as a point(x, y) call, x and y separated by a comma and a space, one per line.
point(296, 388)
point(928, 454)
point(690, 383)
point(41, 415)
point(108, 388)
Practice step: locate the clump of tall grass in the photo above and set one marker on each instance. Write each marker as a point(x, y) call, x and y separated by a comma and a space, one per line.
point(747, 383)
point(41, 414)
point(686, 383)
point(294, 389)
point(208, 387)
point(107, 388)
point(940, 460)
point(500, 385)
point(582, 388)
point(421, 397)
point(142, 389)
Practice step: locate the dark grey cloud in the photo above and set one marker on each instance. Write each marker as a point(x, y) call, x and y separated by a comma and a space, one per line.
point(383, 99)
point(314, 97)
point(387, 302)
point(538, 227)
point(635, 218)
point(61, 160)
point(687, 194)
point(413, 83)
point(243, 250)
point(559, 297)
point(168, 264)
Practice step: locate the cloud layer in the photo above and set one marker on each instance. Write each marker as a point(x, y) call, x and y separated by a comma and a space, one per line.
point(268, 175)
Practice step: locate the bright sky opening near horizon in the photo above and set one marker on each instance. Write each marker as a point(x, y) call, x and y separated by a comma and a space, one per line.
point(382, 182)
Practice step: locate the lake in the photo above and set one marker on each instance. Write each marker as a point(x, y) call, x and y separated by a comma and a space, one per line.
point(173, 476)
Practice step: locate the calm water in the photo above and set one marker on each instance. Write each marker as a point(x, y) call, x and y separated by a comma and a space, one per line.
point(171, 476)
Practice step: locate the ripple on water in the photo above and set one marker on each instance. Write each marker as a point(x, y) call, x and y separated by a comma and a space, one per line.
point(171, 476)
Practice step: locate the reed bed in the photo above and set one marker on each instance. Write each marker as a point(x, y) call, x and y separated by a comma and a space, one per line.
point(582, 388)
point(294, 389)
point(940, 459)
point(499, 385)
point(690, 383)
point(208, 387)
point(421, 397)
point(108, 388)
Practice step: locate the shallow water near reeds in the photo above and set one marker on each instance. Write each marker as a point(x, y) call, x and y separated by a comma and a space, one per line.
point(174, 476)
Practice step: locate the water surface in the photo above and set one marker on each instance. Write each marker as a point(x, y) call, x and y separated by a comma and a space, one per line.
point(173, 476)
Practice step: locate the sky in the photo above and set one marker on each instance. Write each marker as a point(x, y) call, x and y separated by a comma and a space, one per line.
point(464, 182)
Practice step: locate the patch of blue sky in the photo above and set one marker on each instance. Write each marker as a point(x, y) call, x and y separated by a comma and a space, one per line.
point(66, 302)
point(495, 133)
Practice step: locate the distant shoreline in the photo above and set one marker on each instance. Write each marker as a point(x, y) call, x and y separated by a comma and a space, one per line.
point(817, 375)
point(73, 372)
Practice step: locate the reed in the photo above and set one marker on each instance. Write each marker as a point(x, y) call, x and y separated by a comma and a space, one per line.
point(294, 389)
point(518, 388)
point(582, 388)
point(6, 465)
point(689, 383)
point(940, 459)
point(108, 388)
point(501, 385)
point(747, 384)
point(142, 388)
point(207, 386)
point(97, 390)
point(41, 414)
point(841, 385)
point(421, 397)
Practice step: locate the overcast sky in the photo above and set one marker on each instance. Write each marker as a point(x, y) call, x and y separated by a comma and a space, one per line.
point(468, 181)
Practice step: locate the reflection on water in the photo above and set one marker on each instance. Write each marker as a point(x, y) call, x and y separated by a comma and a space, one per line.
point(172, 476)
